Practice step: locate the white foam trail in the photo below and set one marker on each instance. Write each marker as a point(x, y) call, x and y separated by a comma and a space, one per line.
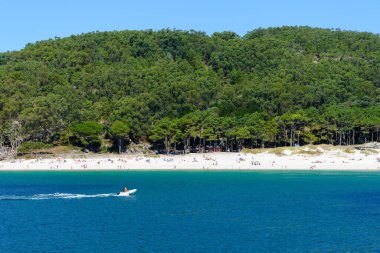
point(56, 196)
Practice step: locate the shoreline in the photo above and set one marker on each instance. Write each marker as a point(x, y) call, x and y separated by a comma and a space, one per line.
point(288, 160)
point(195, 170)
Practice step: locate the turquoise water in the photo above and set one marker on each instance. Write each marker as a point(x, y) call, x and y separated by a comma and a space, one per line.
point(191, 211)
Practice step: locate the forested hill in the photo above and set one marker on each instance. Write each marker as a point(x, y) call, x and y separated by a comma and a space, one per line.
point(185, 89)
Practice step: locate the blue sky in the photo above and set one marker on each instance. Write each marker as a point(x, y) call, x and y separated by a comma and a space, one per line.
point(24, 21)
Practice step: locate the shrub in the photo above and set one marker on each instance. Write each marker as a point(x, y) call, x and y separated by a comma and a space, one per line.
point(31, 146)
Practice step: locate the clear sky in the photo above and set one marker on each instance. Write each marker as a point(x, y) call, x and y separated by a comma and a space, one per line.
point(24, 21)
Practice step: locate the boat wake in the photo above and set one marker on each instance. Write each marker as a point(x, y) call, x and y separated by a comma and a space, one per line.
point(56, 196)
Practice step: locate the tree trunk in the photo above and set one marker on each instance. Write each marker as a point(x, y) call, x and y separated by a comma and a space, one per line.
point(349, 138)
point(275, 140)
point(167, 145)
point(291, 137)
point(298, 138)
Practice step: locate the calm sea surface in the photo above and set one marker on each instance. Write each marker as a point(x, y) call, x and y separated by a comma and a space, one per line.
point(191, 211)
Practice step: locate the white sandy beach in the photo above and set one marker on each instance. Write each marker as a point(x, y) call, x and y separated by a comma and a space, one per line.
point(327, 160)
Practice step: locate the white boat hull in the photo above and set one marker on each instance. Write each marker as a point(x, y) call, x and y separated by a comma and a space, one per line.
point(127, 193)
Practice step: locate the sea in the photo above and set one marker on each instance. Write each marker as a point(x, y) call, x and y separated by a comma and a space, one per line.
point(190, 211)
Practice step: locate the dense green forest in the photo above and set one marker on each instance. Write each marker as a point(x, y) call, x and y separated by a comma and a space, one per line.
point(188, 91)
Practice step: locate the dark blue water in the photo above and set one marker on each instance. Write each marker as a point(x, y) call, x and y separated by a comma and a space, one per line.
point(190, 212)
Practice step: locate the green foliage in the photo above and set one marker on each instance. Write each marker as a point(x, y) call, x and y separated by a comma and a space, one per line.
point(86, 135)
point(119, 129)
point(187, 90)
point(87, 128)
point(30, 146)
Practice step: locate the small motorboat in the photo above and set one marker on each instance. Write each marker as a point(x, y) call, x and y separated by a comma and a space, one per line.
point(127, 193)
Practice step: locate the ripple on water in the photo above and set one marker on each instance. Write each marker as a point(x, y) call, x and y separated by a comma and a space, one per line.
point(190, 212)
